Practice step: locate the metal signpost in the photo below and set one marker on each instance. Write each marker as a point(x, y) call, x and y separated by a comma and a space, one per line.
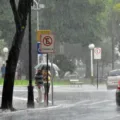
point(47, 46)
point(52, 79)
point(97, 56)
point(37, 7)
point(38, 37)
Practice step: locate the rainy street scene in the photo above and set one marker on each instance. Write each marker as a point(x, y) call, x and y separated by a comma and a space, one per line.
point(59, 59)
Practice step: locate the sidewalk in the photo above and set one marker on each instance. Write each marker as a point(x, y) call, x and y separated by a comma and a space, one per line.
point(20, 102)
point(82, 88)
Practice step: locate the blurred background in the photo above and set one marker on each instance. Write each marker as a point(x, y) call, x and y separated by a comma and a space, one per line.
point(75, 24)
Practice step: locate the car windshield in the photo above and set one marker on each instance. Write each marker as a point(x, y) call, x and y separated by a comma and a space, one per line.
point(114, 73)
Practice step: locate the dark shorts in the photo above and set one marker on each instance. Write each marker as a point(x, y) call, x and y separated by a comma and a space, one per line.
point(41, 83)
point(46, 87)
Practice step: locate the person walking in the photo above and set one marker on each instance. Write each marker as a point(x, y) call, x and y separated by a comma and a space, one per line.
point(3, 70)
point(39, 85)
point(45, 79)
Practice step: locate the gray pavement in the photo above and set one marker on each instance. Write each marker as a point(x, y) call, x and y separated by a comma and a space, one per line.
point(70, 103)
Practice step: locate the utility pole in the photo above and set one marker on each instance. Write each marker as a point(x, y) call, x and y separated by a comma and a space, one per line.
point(112, 53)
point(37, 7)
point(30, 87)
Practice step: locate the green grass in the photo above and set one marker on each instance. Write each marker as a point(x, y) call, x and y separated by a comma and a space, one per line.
point(55, 82)
point(61, 82)
point(26, 82)
point(17, 82)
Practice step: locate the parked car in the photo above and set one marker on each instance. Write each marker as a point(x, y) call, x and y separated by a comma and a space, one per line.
point(118, 94)
point(112, 79)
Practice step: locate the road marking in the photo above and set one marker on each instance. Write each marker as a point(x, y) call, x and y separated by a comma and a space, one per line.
point(19, 98)
point(113, 104)
point(29, 110)
point(99, 102)
point(23, 90)
point(112, 118)
point(73, 105)
point(69, 89)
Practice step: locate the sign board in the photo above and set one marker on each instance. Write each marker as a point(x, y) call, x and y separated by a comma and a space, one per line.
point(38, 48)
point(47, 43)
point(42, 32)
point(97, 53)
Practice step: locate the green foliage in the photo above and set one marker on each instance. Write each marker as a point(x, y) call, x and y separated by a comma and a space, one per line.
point(6, 21)
point(116, 7)
point(72, 21)
point(64, 63)
point(106, 51)
point(2, 44)
point(75, 21)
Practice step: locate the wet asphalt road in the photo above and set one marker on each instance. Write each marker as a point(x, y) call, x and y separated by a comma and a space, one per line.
point(69, 104)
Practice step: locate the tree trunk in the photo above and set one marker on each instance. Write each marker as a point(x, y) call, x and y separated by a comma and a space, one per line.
point(87, 63)
point(102, 69)
point(11, 64)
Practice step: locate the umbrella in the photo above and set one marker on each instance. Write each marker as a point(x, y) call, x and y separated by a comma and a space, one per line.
point(39, 66)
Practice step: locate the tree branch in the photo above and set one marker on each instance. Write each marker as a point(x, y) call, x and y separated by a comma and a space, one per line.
point(15, 12)
point(23, 9)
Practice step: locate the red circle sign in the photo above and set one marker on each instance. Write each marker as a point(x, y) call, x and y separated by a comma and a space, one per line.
point(98, 50)
point(47, 40)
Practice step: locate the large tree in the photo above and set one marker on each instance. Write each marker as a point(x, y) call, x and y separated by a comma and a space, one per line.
point(6, 22)
point(76, 21)
point(20, 12)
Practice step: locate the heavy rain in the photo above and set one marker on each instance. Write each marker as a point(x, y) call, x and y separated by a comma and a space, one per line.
point(59, 59)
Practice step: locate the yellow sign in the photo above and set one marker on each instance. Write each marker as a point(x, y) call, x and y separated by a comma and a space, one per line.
point(41, 32)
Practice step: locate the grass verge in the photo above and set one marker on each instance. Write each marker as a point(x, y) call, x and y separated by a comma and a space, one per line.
point(26, 82)
point(55, 82)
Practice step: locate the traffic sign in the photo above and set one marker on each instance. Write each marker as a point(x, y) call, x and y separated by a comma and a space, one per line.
point(47, 43)
point(38, 48)
point(97, 53)
point(42, 32)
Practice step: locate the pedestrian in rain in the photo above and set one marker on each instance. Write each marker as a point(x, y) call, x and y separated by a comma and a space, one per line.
point(19, 73)
point(3, 70)
point(39, 85)
point(45, 79)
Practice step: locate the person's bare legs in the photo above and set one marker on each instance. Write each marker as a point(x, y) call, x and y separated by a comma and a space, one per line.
point(39, 98)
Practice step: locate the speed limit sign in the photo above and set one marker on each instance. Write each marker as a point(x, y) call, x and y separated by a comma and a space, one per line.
point(97, 53)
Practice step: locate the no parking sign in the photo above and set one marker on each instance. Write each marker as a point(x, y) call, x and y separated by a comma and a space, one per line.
point(97, 53)
point(47, 43)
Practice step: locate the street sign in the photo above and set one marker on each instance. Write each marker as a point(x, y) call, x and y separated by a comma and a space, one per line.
point(38, 48)
point(97, 53)
point(47, 43)
point(42, 32)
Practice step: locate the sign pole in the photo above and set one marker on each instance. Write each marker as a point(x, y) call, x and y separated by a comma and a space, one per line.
point(97, 74)
point(97, 56)
point(47, 79)
point(52, 80)
point(47, 46)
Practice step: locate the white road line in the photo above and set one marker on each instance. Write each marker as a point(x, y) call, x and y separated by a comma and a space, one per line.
point(70, 90)
point(99, 102)
point(23, 90)
point(73, 105)
point(82, 102)
point(112, 118)
point(30, 110)
point(19, 98)
point(113, 104)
